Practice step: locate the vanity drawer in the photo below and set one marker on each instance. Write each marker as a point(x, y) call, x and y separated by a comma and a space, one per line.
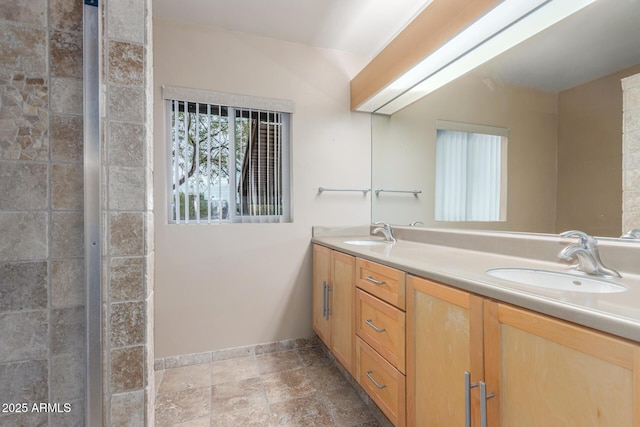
point(382, 382)
point(386, 283)
point(381, 325)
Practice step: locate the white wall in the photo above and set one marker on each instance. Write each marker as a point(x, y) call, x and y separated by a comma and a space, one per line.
point(223, 286)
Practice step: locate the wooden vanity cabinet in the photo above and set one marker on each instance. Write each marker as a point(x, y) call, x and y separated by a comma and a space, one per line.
point(382, 382)
point(380, 341)
point(321, 280)
point(444, 340)
point(333, 303)
point(382, 326)
point(537, 370)
point(385, 283)
point(544, 371)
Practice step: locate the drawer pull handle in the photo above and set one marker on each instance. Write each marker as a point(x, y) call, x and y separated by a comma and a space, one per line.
point(368, 374)
point(372, 280)
point(374, 327)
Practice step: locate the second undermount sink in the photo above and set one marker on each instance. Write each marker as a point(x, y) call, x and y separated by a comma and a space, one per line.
point(557, 280)
point(365, 242)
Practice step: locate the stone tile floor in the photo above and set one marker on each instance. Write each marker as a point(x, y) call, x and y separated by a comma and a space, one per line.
point(298, 387)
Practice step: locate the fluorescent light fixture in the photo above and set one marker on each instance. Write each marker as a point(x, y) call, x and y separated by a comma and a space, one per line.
point(506, 25)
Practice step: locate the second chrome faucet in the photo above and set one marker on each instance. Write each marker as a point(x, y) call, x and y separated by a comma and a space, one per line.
point(385, 230)
point(586, 254)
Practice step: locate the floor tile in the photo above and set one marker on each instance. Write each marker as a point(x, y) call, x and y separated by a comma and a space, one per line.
point(278, 362)
point(346, 407)
point(305, 411)
point(287, 385)
point(232, 370)
point(199, 422)
point(181, 406)
point(291, 388)
point(372, 423)
point(249, 417)
point(313, 356)
point(326, 377)
point(186, 377)
point(158, 374)
point(243, 394)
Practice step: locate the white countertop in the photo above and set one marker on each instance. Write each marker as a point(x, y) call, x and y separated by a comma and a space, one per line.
point(615, 313)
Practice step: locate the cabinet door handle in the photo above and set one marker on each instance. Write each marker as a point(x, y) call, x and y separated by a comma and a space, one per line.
point(483, 403)
point(374, 281)
point(324, 299)
point(325, 308)
point(374, 327)
point(368, 374)
point(467, 397)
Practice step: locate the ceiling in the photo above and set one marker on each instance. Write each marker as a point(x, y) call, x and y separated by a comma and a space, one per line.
point(361, 27)
point(594, 42)
point(602, 38)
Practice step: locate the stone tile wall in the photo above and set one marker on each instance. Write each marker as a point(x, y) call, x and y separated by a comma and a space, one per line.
point(42, 317)
point(631, 154)
point(127, 213)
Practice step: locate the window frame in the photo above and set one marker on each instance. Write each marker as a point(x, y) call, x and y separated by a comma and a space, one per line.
point(469, 128)
point(233, 102)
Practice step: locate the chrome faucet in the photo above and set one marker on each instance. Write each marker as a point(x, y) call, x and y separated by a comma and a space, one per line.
point(587, 255)
point(631, 234)
point(385, 230)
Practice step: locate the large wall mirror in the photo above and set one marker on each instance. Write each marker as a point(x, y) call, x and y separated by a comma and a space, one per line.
point(556, 102)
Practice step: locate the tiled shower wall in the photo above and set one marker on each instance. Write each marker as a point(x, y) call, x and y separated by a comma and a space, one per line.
point(42, 317)
point(127, 221)
point(631, 153)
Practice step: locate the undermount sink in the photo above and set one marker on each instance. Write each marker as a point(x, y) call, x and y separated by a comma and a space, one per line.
point(366, 242)
point(556, 280)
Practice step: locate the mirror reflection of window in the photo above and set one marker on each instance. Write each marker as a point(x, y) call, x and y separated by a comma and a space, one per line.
point(470, 173)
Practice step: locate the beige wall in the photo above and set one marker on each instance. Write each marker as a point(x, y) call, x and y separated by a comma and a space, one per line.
point(404, 157)
point(223, 286)
point(590, 156)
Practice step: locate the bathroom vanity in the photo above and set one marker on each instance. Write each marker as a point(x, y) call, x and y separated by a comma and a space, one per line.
point(435, 340)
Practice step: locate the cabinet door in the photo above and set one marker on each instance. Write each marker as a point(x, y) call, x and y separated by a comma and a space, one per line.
point(342, 308)
point(547, 372)
point(444, 339)
point(321, 294)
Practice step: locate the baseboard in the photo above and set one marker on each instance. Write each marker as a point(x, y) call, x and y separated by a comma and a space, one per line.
point(232, 353)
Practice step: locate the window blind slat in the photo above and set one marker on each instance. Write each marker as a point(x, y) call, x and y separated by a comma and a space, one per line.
point(196, 158)
point(208, 177)
point(219, 150)
point(231, 159)
point(176, 147)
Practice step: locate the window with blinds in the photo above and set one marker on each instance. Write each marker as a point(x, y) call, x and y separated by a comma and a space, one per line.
point(471, 168)
point(228, 164)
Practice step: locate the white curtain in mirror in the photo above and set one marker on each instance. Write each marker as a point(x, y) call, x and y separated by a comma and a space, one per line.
point(468, 176)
